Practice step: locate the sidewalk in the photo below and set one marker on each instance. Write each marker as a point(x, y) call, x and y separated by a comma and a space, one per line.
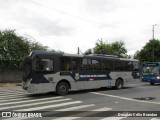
point(10, 84)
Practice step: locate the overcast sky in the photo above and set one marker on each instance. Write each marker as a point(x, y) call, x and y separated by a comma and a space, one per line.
point(67, 24)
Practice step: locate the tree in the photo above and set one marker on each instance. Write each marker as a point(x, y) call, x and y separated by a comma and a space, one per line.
point(37, 46)
point(115, 48)
point(13, 49)
point(118, 48)
point(150, 52)
point(87, 52)
point(102, 47)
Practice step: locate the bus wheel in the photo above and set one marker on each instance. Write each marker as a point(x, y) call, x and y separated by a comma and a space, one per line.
point(119, 84)
point(62, 88)
point(151, 83)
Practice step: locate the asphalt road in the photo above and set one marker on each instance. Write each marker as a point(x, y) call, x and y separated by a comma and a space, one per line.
point(106, 103)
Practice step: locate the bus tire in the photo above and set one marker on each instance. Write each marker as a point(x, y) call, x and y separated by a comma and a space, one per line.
point(151, 83)
point(119, 84)
point(62, 88)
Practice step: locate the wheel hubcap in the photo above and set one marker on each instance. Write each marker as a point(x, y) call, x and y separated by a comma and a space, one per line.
point(63, 88)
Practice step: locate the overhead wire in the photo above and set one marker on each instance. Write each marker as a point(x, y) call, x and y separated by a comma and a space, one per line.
point(65, 13)
point(77, 17)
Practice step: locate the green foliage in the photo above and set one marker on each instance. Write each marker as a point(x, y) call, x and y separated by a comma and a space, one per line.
point(55, 51)
point(150, 52)
point(37, 46)
point(87, 52)
point(118, 48)
point(115, 48)
point(14, 48)
point(102, 47)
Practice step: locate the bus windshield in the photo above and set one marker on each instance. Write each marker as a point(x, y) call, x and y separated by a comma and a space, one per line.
point(147, 70)
point(156, 70)
point(150, 70)
point(44, 65)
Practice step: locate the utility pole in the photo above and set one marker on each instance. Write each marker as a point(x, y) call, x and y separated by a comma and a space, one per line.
point(78, 50)
point(153, 42)
point(153, 31)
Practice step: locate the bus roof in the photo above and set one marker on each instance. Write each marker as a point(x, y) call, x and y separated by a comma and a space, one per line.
point(103, 56)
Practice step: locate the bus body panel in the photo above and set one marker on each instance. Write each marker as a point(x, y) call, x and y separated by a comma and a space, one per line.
point(53, 80)
point(151, 72)
point(47, 70)
point(151, 78)
point(40, 88)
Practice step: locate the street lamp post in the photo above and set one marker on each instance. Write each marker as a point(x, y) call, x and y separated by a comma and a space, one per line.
point(153, 42)
point(153, 30)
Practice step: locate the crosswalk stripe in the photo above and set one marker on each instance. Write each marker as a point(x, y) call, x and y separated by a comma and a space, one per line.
point(102, 109)
point(73, 118)
point(8, 93)
point(11, 91)
point(86, 114)
point(155, 119)
point(24, 105)
point(16, 118)
point(67, 118)
point(113, 118)
point(14, 99)
point(50, 106)
point(76, 107)
point(31, 100)
point(12, 95)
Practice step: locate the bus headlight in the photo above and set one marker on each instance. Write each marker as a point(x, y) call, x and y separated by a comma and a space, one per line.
point(158, 77)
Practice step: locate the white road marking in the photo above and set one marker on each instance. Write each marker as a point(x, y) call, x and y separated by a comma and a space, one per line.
point(14, 99)
point(67, 118)
point(124, 98)
point(102, 109)
point(155, 119)
point(6, 96)
point(31, 104)
point(113, 118)
point(33, 100)
point(11, 91)
point(16, 118)
point(9, 94)
point(75, 107)
point(50, 106)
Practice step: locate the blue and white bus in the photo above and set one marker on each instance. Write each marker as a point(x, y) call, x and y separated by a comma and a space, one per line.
point(151, 72)
point(61, 72)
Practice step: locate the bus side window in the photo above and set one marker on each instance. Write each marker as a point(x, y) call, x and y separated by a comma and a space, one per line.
point(107, 64)
point(76, 64)
point(96, 64)
point(65, 64)
point(84, 64)
point(135, 66)
point(129, 66)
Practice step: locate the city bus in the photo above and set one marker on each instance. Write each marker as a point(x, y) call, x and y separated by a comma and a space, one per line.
point(151, 72)
point(61, 72)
